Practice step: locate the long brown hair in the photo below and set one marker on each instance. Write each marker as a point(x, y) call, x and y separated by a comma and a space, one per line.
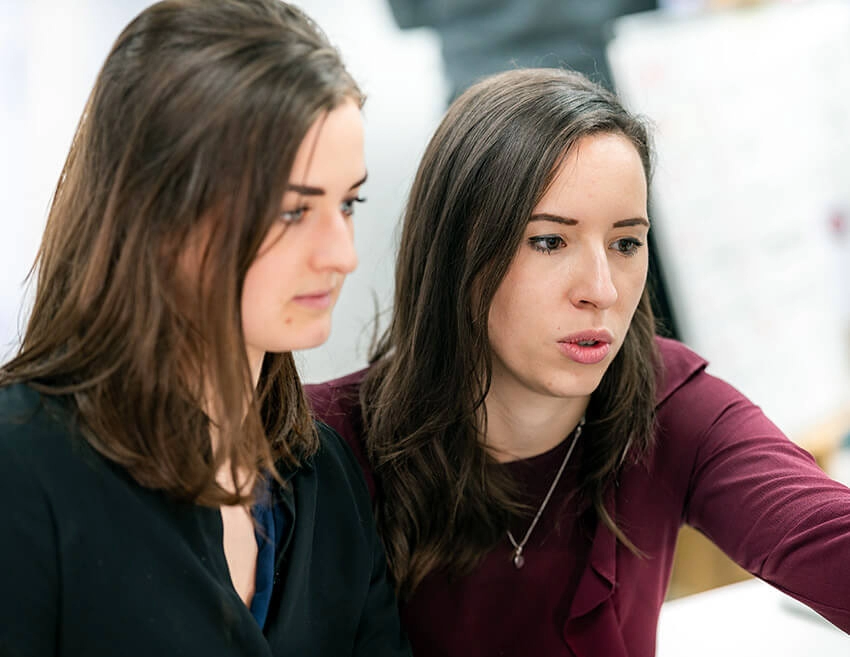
point(486, 168)
point(182, 155)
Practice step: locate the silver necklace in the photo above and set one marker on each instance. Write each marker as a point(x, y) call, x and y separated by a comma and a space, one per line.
point(517, 558)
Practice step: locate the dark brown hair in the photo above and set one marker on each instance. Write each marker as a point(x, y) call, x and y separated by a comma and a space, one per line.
point(181, 156)
point(443, 504)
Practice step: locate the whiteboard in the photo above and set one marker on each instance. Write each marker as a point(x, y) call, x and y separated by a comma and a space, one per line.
point(751, 193)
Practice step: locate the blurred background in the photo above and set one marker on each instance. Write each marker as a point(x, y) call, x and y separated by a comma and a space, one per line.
point(750, 106)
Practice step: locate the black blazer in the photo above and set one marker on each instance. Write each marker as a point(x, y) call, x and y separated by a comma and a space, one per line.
point(92, 564)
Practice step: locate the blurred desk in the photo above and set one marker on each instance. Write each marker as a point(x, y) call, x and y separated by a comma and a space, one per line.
point(748, 619)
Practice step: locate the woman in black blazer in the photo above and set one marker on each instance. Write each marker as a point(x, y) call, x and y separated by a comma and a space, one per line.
point(167, 491)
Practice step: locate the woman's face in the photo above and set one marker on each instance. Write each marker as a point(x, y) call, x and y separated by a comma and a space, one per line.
point(562, 311)
point(293, 284)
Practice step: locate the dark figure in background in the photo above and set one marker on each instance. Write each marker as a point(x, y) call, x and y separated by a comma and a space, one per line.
point(482, 37)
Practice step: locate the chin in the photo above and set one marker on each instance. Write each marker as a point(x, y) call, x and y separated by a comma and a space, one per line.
point(311, 339)
point(571, 392)
point(581, 386)
point(307, 337)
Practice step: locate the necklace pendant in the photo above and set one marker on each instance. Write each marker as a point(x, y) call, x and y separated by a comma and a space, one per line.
point(518, 559)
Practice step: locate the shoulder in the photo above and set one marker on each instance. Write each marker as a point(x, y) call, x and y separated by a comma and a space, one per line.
point(334, 451)
point(335, 401)
point(705, 430)
point(686, 390)
point(34, 429)
point(334, 475)
point(679, 364)
point(700, 415)
point(336, 455)
point(19, 405)
point(42, 448)
point(336, 404)
point(42, 467)
point(21, 423)
point(689, 403)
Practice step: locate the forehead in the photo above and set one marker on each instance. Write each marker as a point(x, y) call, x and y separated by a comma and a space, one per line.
point(601, 171)
point(333, 145)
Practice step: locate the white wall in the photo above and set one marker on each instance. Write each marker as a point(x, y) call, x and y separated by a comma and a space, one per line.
point(751, 203)
point(50, 52)
point(401, 73)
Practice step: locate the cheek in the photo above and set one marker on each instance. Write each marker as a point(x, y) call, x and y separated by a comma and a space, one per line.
point(266, 286)
point(631, 280)
point(254, 289)
point(514, 319)
point(636, 288)
point(631, 290)
point(521, 281)
point(253, 304)
point(501, 318)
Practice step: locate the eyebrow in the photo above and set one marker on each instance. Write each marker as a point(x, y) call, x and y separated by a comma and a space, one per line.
point(306, 190)
point(567, 221)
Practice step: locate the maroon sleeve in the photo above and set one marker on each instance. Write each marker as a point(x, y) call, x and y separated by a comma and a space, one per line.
point(337, 404)
point(762, 499)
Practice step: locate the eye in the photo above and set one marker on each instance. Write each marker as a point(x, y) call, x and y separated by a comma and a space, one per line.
point(628, 246)
point(293, 216)
point(546, 243)
point(347, 206)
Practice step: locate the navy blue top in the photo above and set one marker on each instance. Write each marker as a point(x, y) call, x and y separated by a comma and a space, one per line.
point(270, 523)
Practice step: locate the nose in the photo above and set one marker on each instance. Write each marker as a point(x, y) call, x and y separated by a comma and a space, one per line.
point(334, 248)
point(593, 283)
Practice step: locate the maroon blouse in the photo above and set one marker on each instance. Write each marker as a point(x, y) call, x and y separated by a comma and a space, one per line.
point(718, 464)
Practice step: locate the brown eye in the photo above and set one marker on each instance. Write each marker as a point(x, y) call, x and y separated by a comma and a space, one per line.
point(628, 246)
point(547, 243)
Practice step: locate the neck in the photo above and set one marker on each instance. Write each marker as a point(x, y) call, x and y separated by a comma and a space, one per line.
point(224, 475)
point(255, 363)
point(522, 424)
point(244, 481)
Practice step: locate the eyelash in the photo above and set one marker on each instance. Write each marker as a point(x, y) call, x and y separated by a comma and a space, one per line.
point(543, 244)
point(350, 202)
point(296, 215)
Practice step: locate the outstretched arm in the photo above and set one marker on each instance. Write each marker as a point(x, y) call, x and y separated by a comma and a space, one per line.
point(764, 501)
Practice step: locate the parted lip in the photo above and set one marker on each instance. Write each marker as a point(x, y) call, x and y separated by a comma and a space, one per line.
point(592, 335)
point(314, 295)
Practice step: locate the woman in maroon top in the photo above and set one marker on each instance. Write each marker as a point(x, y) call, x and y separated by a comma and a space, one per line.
point(532, 447)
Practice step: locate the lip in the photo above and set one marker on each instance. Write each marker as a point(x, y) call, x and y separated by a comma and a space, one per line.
point(589, 354)
point(316, 300)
